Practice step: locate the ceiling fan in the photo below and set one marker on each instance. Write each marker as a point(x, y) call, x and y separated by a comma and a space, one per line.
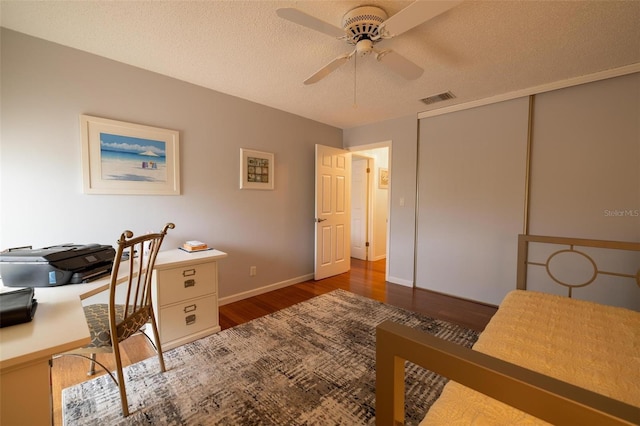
point(366, 26)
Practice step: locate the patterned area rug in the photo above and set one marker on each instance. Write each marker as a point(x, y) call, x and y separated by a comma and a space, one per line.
point(310, 364)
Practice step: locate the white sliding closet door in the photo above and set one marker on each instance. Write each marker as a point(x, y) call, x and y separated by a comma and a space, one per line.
point(471, 192)
point(585, 182)
point(585, 168)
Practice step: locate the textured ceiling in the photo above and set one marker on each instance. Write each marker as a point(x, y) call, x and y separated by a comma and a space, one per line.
point(476, 50)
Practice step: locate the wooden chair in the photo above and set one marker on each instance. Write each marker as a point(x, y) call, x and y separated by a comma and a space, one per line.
point(129, 308)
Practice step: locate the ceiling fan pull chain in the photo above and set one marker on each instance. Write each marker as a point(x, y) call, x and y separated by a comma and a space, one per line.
point(355, 76)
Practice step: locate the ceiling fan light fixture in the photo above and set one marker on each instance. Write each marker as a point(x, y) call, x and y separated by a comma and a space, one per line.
point(364, 47)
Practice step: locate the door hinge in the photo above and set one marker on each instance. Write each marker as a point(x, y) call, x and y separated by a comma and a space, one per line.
point(368, 170)
point(366, 244)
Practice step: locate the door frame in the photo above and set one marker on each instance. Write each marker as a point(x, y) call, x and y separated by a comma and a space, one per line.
point(361, 151)
point(371, 164)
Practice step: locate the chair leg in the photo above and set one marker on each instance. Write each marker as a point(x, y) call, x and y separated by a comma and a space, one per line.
point(156, 337)
point(92, 365)
point(121, 383)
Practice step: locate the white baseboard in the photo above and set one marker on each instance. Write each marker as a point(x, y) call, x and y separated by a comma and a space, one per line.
point(396, 280)
point(255, 292)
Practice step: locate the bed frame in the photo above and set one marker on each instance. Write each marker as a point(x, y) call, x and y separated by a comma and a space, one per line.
point(544, 397)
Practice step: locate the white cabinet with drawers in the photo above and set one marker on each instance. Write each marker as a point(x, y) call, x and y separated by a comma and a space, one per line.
point(185, 296)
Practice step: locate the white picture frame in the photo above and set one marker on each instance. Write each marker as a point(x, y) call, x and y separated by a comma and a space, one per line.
point(256, 169)
point(131, 159)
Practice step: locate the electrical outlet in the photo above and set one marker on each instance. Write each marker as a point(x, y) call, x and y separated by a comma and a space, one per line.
point(252, 271)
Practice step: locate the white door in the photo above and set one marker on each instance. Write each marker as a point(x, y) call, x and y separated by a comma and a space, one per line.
point(359, 207)
point(333, 212)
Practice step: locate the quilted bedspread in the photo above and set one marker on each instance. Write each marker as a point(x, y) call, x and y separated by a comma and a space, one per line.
point(590, 345)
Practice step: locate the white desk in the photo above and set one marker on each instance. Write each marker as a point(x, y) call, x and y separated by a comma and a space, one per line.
point(59, 325)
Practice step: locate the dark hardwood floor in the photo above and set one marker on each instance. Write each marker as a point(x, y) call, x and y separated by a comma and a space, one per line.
point(365, 278)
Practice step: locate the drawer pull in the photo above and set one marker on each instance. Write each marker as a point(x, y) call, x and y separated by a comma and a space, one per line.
point(188, 272)
point(190, 319)
point(190, 308)
point(189, 283)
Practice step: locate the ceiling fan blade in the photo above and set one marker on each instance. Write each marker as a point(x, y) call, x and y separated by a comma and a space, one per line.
point(416, 13)
point(301, 18)
point(329, 68)
point(399, 64)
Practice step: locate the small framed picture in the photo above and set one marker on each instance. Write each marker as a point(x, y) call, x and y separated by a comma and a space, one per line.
point(383, 178)
point(256, 169)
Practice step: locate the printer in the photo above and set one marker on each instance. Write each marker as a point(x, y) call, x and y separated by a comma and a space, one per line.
point(55, 265)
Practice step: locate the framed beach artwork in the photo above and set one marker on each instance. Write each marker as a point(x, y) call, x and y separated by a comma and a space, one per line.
point(127, 158)
point(256, 169)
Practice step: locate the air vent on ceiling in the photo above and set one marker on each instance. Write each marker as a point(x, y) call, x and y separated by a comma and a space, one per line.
point(438, 98)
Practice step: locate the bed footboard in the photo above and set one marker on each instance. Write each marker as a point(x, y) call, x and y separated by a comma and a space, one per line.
point(542, 396)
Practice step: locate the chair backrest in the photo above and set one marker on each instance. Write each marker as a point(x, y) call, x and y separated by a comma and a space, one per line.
point(130, 287)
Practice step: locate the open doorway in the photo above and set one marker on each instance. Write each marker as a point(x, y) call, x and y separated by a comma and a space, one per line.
point(370, 201)
point(361, 220)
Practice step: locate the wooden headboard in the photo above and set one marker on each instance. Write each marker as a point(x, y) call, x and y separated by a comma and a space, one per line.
point(570, 246)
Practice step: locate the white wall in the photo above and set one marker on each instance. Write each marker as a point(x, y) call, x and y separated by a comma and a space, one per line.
point(44, 89)
point(380, 205)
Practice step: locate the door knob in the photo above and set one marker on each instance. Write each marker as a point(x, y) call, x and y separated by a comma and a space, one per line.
point(320, 220)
